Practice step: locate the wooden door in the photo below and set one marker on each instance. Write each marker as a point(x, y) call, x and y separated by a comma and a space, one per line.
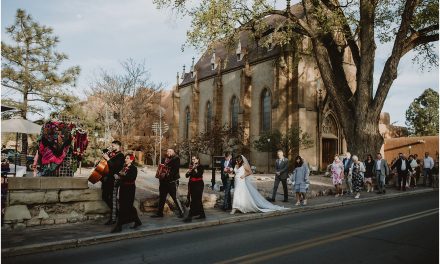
point(329, 149)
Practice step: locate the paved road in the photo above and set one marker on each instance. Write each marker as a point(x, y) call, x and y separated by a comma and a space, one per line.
point(401, 230)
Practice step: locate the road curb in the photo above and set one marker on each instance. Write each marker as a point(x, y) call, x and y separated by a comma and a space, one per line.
point(73, 243)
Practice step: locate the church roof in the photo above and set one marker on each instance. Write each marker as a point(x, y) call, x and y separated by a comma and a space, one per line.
point(228, 56)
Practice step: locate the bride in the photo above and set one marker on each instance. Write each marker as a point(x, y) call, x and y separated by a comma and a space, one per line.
point(246, 197)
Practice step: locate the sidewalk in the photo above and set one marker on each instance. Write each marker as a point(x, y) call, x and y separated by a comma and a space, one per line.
point(39, 239)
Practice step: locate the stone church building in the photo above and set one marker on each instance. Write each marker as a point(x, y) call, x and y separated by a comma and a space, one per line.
point(263, 89)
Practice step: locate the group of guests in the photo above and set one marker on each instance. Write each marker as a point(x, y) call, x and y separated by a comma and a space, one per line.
point(357, 174)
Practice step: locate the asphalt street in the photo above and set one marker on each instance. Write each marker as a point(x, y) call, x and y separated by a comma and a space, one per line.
point(400, 230)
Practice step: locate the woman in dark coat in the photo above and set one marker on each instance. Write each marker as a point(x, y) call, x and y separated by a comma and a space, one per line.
point(127, 189)
point(195, 188)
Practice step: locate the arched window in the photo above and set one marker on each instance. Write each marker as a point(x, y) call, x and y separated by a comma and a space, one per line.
point(208, 116)
point(187, 121)
point(266, 111)
point(234, 113)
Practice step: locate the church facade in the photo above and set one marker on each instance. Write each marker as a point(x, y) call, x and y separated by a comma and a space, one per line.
point(262, 89)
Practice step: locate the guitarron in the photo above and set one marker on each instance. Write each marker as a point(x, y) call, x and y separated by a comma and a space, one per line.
point(100, 170)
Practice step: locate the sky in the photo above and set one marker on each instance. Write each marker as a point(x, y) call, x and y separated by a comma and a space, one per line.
point(99, 34)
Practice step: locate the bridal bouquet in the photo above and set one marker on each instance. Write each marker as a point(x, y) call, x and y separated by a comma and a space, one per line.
point(228, 171)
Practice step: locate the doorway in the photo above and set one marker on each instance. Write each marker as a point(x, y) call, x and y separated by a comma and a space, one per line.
point(329, 149)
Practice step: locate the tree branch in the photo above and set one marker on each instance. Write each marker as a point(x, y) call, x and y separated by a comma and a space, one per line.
point(389, 73)
point(349, 37)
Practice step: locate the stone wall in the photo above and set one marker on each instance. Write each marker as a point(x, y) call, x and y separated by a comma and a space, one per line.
point(48, 201)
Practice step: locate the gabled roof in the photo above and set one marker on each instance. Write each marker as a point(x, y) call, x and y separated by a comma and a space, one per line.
point(229, 57)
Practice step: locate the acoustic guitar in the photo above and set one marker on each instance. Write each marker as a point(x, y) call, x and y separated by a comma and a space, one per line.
point(99, 171)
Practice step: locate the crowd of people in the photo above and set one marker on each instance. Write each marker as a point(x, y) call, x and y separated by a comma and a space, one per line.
point(377, 172)
point(350, 171)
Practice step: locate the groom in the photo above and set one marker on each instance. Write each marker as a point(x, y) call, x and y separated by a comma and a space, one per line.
point(281, 167)
point(227, 164)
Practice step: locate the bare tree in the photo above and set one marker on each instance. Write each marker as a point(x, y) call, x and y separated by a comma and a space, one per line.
point(129, 95)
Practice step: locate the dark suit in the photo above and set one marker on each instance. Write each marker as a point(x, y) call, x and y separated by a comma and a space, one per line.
point(195, 188)
point(228, 182)
point(115, 165)
point(281, 167)
point(402, 174)
point(168, 185)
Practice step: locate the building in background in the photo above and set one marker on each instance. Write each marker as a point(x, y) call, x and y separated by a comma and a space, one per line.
point(262, 89)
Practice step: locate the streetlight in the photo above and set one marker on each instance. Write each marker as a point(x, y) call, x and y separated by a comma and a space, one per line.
point(409, 149)
point(268, 150)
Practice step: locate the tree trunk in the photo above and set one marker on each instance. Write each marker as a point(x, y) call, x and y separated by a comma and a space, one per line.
point(363, 137)
point(24, 137)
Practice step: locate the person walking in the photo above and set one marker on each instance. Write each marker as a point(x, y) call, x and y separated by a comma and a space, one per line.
point(357, 171)
point(368, 175)
point(382, 171)
point(169, 182)
point(115, 161)
point(227, 171)
point(127, 190)
point(418, 168)
point(428, 164)
point(247, 199)
point(337, 169)
point(300, 180)
point(402, 165)
point(412, 173)
point(195, 188)
point(347, 165)
point(281, 167)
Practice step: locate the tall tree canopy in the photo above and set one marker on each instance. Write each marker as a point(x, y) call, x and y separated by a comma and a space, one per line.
point(422, 114)
point(31, 67)
point(335, 28)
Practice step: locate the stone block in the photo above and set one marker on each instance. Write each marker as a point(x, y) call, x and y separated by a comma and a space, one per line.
point(17, 212)
point(23, 183)
point(19, 226)
point(59, 221)
point(61, 183)
point(47, 221)
point(95, 217)
point(72, 220)
point(80, 195)
point(150, 202)
point(96, 207)
point(42, 214)
point(33, 222)
point(33, 197)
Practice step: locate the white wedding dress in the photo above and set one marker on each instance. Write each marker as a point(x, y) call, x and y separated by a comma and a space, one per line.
point(247, 199)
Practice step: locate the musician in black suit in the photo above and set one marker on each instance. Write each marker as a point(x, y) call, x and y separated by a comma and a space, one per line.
point(168, 185)
point(195, 189)
point(403, 167)
point(115, 161)
point(227, 179)
point(127, 190)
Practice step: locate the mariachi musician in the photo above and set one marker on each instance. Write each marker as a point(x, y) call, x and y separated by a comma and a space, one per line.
point(195, 189)
point(115, 160)
point(168, 183)
point(127, 189)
